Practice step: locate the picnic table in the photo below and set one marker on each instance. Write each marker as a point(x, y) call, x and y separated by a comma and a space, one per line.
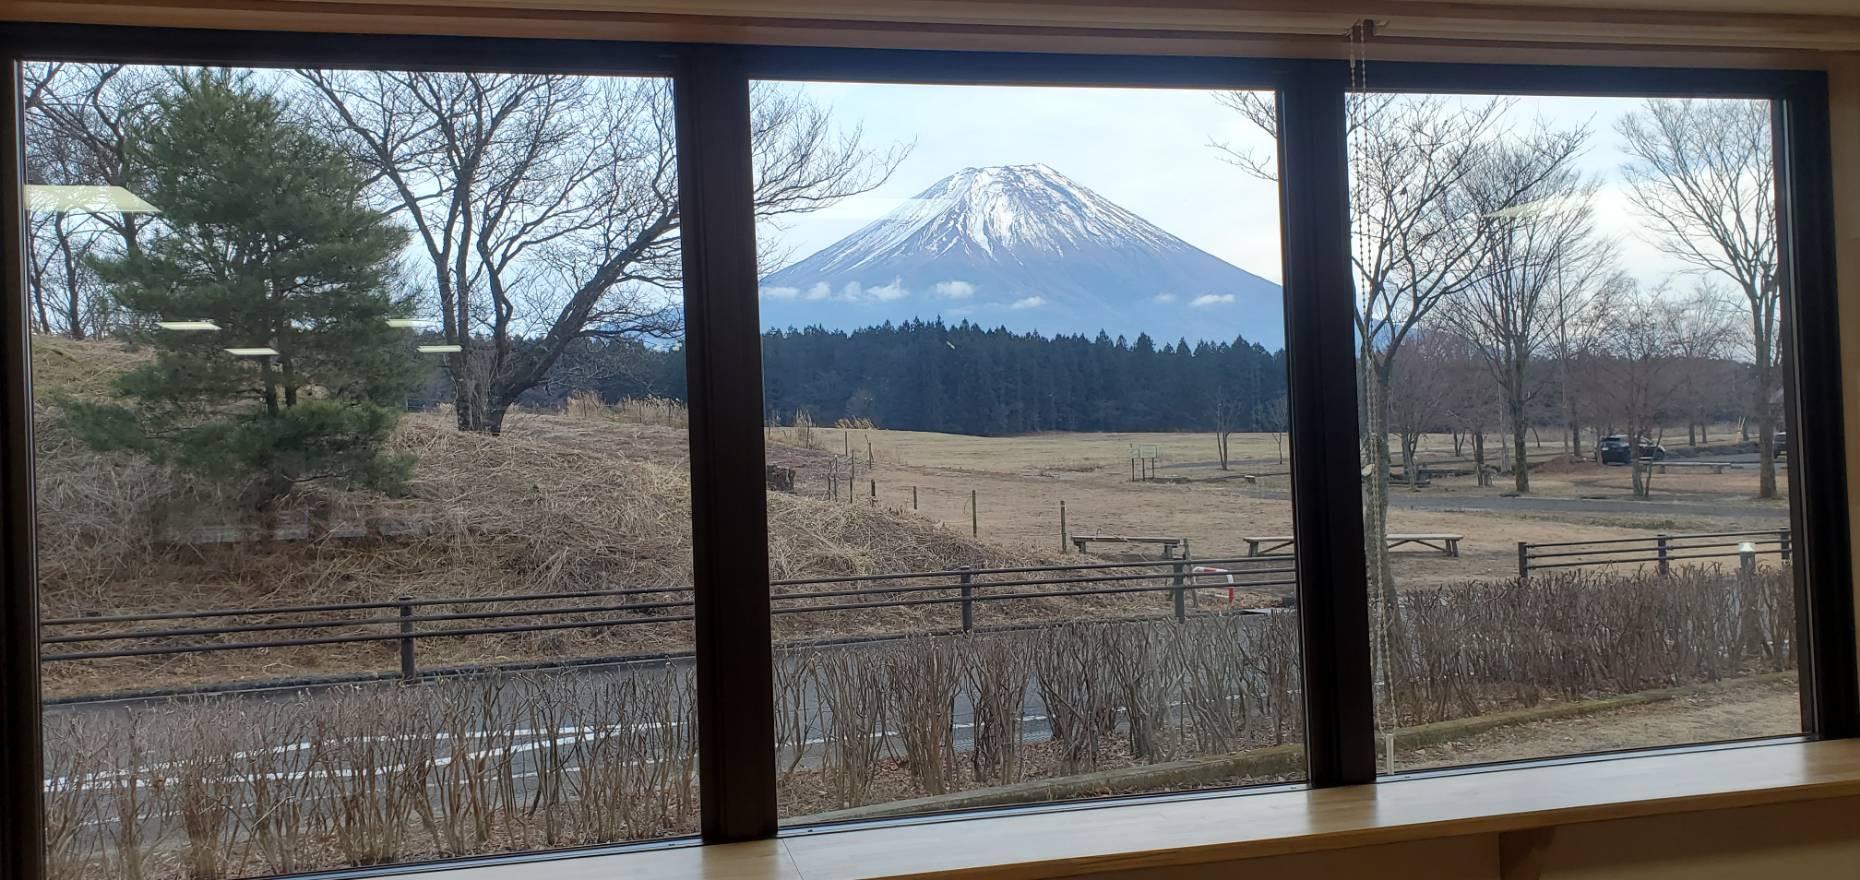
point(1445, 543)
point(1169, 545)
point(1717, 467)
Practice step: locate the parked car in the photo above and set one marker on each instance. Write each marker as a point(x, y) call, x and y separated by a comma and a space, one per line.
point(1781, 443)
point(1614, 450)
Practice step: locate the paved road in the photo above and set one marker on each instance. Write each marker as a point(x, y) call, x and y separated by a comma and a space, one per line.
point(1535, 504)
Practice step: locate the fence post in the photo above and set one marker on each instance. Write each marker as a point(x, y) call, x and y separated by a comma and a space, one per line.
point(913, 497)
point(1064, 540)
point(1524, 562)
point(968, 600)
point(407, 670)
point(1666, 567)
point(1181, 595)
point(975, 517)
point(874, 491)
point(1782, 536)
point(1747, 559)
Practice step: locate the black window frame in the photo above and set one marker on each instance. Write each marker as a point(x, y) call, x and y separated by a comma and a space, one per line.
point(711, 83)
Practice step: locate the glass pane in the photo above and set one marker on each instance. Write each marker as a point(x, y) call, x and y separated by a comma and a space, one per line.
point(1578, 486)
point(363, 495)
point(1024, 383)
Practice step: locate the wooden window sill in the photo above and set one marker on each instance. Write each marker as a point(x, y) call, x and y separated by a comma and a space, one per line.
point(1198, 831)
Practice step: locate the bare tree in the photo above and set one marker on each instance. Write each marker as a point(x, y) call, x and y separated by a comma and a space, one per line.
point(1701, 173)
point(1422, 393)
point(1704, 338)
point(1271, 417)
point(1585, 288)
point(77, 122)
point(1640, 370)
point(546, 206)
point(1535, 214)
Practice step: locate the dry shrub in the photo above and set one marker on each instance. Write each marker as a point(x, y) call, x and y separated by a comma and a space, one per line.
point(377, 755)
point(586, 405)
point(852, 691)
point(1069, 663)
point(281, 788)
point(1137, 665)
point(797, 712)
point(804, 434)
point(372, 775)
point(203, 793)
point(662, 411)
point(924, 675)
point(1573, 634)
point(72, 796)
point(996, 668)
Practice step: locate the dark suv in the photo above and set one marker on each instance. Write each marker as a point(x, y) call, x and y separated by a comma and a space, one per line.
point(1614, 450)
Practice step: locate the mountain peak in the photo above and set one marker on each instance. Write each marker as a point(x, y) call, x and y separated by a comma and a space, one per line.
point(1036, 244)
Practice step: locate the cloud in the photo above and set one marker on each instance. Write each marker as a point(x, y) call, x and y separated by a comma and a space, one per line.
point(1163, 298)
point(1209, 299)
point(1031, 302)
point(889, 292)
point(819, 291)
point(954, 289)
point(781, 292)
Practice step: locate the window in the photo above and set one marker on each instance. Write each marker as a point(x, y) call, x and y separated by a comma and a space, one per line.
point(416, 452)
point(1026, 404)
point(363, 491)
point(1578, 492)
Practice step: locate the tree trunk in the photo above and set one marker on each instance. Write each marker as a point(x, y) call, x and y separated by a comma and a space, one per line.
point(1479, 457)
point(1408, 443)
point(74, 299)
point(1766, 422)
point(1514, 404)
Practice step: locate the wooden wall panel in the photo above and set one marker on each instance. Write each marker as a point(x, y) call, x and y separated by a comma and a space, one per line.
point(1844, 117)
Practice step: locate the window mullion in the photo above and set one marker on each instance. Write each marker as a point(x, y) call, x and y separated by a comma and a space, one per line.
point(729, 522)
point(1326, 470)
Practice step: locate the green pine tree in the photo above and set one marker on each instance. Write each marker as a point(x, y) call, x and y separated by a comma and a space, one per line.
point(264, 232)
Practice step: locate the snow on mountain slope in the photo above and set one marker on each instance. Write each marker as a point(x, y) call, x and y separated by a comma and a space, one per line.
point(1026, 247)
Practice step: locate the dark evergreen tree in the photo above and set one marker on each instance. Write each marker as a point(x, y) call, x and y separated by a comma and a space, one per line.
point(264, 233)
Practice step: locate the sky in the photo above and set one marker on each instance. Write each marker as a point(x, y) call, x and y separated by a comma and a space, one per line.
point(1149, 150)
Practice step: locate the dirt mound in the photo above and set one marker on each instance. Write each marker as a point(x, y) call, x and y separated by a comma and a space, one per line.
point(80, 367)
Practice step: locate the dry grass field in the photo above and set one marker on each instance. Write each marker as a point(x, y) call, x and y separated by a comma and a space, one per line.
point(1019, 482)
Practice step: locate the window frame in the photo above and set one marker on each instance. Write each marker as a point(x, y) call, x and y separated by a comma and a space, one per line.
point(734, 650)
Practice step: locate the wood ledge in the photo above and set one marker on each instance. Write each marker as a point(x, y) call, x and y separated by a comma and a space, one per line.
point(1114, 837)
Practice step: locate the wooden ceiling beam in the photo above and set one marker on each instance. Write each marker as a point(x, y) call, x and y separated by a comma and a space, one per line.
point(1295, 28)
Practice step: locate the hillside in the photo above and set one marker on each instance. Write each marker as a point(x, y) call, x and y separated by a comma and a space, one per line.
point(560, 503)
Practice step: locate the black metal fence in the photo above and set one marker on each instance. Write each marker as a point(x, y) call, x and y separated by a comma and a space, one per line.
point(407, 620)
point(1660, 551)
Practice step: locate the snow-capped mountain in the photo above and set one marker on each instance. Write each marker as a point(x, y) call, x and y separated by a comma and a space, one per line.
point(1026, 247)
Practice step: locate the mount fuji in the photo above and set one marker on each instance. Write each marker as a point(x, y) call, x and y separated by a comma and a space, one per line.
point(1025, 247)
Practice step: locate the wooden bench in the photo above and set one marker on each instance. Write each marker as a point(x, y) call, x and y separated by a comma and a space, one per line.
point(1447, 544)
point(1169, 545)
point(1717, 467)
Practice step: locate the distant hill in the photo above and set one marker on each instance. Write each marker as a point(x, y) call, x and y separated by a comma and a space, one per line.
point(1025, 247)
